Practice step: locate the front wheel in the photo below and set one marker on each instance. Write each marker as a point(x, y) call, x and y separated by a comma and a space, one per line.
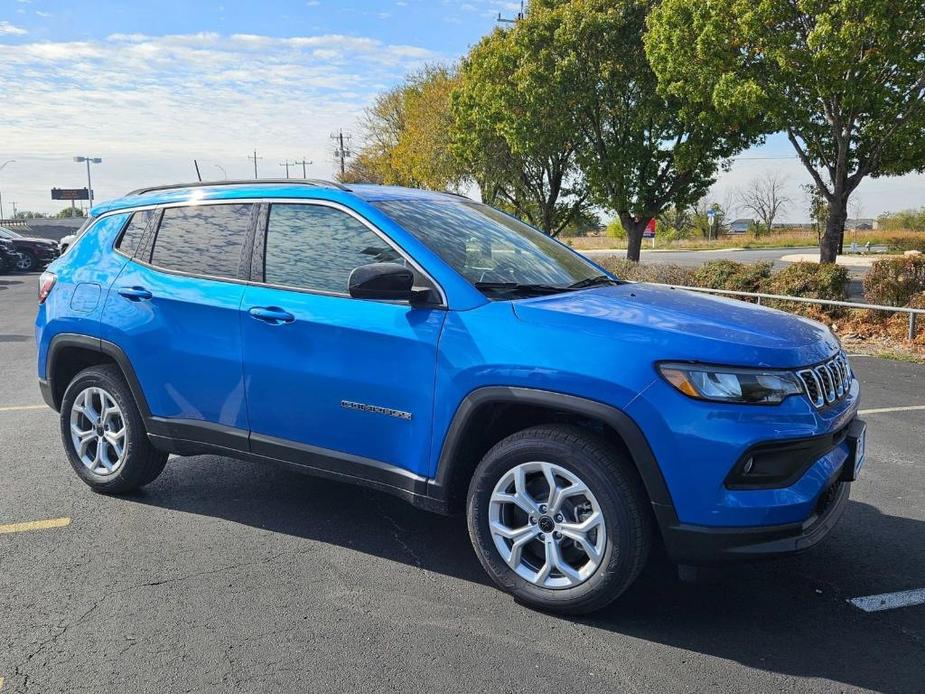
point(559, 519)
point(27, 261)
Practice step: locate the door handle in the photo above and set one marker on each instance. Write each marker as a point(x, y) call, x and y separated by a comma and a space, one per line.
point(271, 315)
point(135, 293)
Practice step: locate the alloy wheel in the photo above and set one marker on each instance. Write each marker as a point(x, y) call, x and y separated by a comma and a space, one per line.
point(98, 431)
point(547, 525)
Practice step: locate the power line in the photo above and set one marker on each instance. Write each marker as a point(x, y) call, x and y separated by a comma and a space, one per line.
point(520, 15)
point(792, 156)
point(254, 159)
point(304, 165)
point(342, 152)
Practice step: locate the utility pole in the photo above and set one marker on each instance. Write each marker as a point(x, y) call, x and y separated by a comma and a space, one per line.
point(287, 164)
point(13, 203)
point(2, 167)
point(89, 160)
point(254, 159)
point(304, 164)
point(520, 15)
point(342, 151)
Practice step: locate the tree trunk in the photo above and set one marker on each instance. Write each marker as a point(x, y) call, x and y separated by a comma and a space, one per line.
point(830, 246)
point(633, 228)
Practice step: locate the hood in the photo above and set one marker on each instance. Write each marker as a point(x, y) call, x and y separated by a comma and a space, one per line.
point(673, 324)
point(34, 239)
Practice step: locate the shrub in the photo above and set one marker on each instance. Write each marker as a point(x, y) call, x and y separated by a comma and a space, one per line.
point(894, 281)
point(810, 281)
point(615, 229)
point(913, 220)
point(729, 275)
point(639, 272)
point(901, 244)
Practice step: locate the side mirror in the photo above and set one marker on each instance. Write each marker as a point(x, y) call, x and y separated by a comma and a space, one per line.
point(385, 281)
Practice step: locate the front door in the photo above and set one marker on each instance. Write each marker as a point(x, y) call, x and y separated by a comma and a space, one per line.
point(327, 375)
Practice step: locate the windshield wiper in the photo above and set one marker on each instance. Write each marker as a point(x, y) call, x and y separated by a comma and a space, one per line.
point(594, 282)
point(518, 288)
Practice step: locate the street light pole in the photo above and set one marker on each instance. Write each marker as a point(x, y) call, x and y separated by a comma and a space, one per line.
point(222, 169)
point(2, 167)
point(89, 160)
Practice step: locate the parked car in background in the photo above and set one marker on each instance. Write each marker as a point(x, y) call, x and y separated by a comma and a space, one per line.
point(9, 258)
point(741, 226)
point(67, 241)
point(35, 253)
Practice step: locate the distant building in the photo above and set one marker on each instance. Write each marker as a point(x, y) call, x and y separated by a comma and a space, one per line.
point(741, 226)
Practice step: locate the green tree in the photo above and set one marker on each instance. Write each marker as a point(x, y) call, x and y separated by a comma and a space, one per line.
point(845, 79)
point(407, 133)
point(638, 149)
point(818, 208)
point(67, 212)
point(511, 130)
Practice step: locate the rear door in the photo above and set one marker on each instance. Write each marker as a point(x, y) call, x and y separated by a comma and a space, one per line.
point(174, 311)
point(331, 375)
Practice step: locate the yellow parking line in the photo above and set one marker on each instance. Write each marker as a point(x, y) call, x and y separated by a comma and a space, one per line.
point(35, 525)
point(20, 408)
point(1, 683)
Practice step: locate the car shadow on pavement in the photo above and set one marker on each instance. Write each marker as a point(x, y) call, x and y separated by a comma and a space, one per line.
point(791, 616)
point(788, 616)
point(284, 501)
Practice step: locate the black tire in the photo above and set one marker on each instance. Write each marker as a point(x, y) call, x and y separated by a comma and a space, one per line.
point(27, 257)
point(142, 463)
point(612, 480)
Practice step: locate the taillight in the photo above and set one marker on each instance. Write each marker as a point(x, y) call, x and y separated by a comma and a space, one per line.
point(46, 284)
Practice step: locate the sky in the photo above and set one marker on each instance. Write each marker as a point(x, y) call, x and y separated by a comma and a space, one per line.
point(151, 86)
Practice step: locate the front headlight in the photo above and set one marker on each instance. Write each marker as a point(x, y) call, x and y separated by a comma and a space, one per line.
point(732, 384)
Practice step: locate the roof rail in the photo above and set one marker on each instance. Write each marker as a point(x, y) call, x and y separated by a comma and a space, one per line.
point(317, 182)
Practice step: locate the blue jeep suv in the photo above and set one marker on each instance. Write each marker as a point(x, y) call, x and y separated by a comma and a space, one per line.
point(435, 348)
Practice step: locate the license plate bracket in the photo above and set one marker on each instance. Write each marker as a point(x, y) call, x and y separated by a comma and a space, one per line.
point(857, 445)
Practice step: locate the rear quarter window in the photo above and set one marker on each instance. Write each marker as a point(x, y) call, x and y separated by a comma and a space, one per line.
point(134, 232)
point(203, 240)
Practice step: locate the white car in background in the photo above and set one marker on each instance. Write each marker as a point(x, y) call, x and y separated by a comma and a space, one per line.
point(68, 241)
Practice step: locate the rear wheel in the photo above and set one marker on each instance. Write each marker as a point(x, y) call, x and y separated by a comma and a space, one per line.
point(559, 519)
point(104, 435)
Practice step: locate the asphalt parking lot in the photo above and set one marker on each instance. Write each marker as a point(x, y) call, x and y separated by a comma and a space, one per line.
point(231, 576)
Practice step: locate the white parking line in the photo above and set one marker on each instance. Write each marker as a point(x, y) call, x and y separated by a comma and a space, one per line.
point(881, 410)
point(890, 601)
point(22, 408)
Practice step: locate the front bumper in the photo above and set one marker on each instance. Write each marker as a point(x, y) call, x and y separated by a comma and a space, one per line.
point(705, 546)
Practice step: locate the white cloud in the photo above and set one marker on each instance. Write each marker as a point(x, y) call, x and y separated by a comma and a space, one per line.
point(150, 104)
point(8, 29)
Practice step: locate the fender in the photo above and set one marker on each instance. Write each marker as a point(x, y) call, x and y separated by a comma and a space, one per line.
point(639, 449)
point(95, 344)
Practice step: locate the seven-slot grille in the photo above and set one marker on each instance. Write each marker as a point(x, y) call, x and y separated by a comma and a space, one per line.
point(827, 382)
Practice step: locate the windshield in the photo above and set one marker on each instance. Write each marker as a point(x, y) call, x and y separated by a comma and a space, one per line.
point(9, 234)
point(489, 247)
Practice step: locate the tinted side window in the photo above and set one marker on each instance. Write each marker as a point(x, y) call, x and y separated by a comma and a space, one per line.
point(316, 247)
point(203, 240)
point(134, 232)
